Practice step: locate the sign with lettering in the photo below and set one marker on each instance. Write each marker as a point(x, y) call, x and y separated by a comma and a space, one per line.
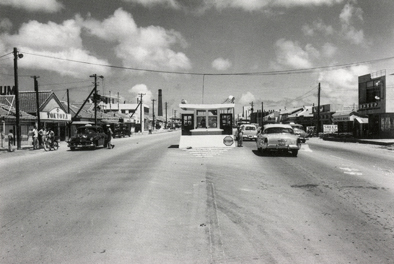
point(7, 90)
point(55, 114)
point(330, 129)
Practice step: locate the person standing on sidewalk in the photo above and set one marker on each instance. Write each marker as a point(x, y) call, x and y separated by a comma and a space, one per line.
point(239, 136)
point(109, 137)
point(35, 138)
point(10, 138)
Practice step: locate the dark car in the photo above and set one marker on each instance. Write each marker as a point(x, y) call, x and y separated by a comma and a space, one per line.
point(88, 137)
point(122, 130)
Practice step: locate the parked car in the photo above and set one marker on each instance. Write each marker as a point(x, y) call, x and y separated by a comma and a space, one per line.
point(278, 137)
point(249, 131)
point(88, 136)
point(121, 130)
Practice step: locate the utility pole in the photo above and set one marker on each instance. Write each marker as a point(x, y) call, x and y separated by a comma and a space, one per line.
point(203, 83)
point(17, 111)
point(318, 111)
point(166, 114)
point(95, 96)
point(37, 102)
point(68, 112)
point(251, 112)
point(262, 114)
point(141, 109)
point(118, 103)
point(153, 114)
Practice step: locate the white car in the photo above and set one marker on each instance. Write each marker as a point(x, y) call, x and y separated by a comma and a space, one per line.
point(249, 132)
point(278, 137)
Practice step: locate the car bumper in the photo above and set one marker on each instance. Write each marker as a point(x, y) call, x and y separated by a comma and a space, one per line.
point(80, 144)
point(250, 137)
point(279, 147)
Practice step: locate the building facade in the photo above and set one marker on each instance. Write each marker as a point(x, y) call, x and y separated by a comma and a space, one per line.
point(376, 100)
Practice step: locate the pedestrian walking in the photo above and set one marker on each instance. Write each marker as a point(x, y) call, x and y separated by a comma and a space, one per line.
point(10, 140)
point(35, 138)
point(109, 137)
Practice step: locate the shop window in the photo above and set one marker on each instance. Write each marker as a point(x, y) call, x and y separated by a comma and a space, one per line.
point(201, 122)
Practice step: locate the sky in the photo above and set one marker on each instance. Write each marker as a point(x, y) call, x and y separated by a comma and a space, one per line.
point(272, 54)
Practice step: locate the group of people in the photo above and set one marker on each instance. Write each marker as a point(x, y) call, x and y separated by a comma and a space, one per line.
point(42, 135)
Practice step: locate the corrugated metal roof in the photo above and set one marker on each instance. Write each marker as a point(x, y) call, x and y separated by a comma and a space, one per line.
point(9, 112)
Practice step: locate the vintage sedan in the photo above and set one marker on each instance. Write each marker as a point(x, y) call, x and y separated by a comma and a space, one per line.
point(88, 137)
point(249, 131)
point(278, 137)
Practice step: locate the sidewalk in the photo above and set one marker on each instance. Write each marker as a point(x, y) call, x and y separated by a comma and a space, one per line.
point(28, 144)
point(382, 142)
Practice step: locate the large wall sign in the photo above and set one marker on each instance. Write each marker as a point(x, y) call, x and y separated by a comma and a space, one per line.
point(7, 90)
point(55, 114)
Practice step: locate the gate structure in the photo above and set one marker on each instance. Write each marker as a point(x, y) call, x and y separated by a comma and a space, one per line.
point(207, 125)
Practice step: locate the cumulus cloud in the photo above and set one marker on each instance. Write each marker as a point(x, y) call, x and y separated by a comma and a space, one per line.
point(349, 16)
point(341, 85)
point(149, 3)
point(61, 41)
point(259, 5)
point(291, 54)
point(328, 50)
point(249, 5)
point(317, 26)
point(57, 36)
point(47, 6)
point(221, 64)
point(247, 98)
point(5, 24)
point(141, 88)
point(150, 47)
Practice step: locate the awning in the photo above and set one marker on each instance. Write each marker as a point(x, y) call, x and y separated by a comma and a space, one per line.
point(362, 120)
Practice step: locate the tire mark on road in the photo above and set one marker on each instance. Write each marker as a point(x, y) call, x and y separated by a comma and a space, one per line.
point(215, 235)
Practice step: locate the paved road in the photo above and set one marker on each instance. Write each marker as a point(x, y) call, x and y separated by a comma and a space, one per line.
point(146, 201)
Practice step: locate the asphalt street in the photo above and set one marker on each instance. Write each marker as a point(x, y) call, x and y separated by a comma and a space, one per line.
point(147, 201)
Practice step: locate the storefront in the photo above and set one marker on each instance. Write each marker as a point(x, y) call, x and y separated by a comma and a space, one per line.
point(52, 113)
point(377, 102)
point(345, 121)
point(56, 119)
point(8, 122)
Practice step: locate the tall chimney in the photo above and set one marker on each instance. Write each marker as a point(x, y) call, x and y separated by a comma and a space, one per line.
point(160, 104)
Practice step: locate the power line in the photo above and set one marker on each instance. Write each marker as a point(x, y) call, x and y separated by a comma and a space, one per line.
point(296, 71)
point(55, 84)
point(6, 55)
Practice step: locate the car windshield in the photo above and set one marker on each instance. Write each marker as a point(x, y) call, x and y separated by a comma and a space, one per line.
point(278, 130)
point(250, 128)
